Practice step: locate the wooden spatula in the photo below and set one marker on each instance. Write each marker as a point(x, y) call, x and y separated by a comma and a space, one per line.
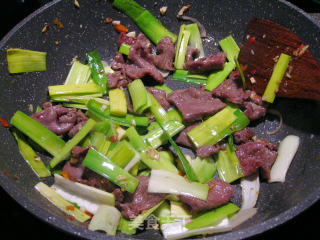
point(263, 44)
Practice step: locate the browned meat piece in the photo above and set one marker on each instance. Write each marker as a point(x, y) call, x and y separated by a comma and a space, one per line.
point(194, 104)
point(123, 38)
point(93, 179)
point(255, 155)
point(254, 111)
point(160, 95)
point(118, 78)
point(166, 53)
point(118, 62)
point(143, 61)
point(183, 138)
point(243, 135)
point(56, 118)
point(208, 150)
point(219, 193)
point(204, 64)
point(270, 40)
point(141, 199)
point(80, 122)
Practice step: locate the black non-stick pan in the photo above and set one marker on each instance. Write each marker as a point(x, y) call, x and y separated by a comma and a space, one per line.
point(85, 30)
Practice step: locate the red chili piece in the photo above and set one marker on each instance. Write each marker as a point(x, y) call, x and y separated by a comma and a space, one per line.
point(113, 138)
point(252, 40)
point(4, 122)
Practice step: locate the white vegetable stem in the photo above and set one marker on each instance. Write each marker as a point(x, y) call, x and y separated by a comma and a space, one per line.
point(172, 231)
point(167, 182)
point(287, 149)
point(88, 198)
point(106, 219)
point(250, 190)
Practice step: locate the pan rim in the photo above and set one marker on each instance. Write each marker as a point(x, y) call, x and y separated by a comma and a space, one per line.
point(79, 231)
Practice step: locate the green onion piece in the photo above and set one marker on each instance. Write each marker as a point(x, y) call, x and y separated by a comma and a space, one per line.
point(187, 168)
point(66, 150)
point(122, 153)
point(75, 105)
point(212, 217)
point(139, 96)
point(195, 38)
point(177, 210)
point(38, 133)
point(108, 169)
point(38, 109)
point(61, 91)
point(61, 203)
point(155, 136)
point(166, 155)
point(78, 74)
point(228, 165)
point(220, 125)
point(203, 168)
point(157, 110)
point(174, 115)
point(148, 24)
point(118, 102)
point(216, 78)
point(241, 74)
point(163, 210)
point(102, 112)
point(125, 49)
point(97, 70)
point(106, 219)
point(182, 46)
point(22, 60)
point(135, 139)
point(99, 140)
point(276, 78)
point(230, 47)
point(125, 226)
point(165, 88)
point(183, 76)
point(30, 156)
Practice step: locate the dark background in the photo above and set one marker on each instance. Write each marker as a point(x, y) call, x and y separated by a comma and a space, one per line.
point(16, 222)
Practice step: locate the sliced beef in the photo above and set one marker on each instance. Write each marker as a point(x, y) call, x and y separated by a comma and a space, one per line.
point(219, 193)
point(141, 199)
point(142, 60)
point(119, 196)
point(255, 155)
point(166, 53)
point(254, 111)
point(118, 62)
point(194, 104)
point(81, 120)
point(123, 38)
point(93, 179)
point(118, 78)
point(208, 150)
point(243, 135)
point(183, 138)
point(160, 95)
point(56, 118)
point(204, 64)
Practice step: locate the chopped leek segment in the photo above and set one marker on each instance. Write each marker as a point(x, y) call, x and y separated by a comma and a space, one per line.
point(184, 76)
point(78, 74)
point(241, 74)
point(220, 125)
point(167, 182)
point(155, 136)
point(139, 96)
point(175, 115)
point(204, 168)
point(148, 24)
point(66, 150)
point(164, 87)
point(122, 153)
point(78, 90)
point(278, 72)
point(118, 102)
point(61, 203)
point(250, 186)
point(108, 169)
point(30, 156)
point(98, 73)
point(102, 112)
point(38, 133)
point(157, 110)
point(86, 197)
point(124, 49)
point(195, 38)
point(182, 46)
point(178, 211)
point(22, 60)
point(230, 47)
point(75, 105)
point(216, 78)
point(212, 217)
point(229, 167)
point(106, 219)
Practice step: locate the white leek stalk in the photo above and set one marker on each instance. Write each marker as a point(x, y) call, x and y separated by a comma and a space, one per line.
point(106, 219)
point(167, 182)
point(250, 190)
point(86, 197)
point(287, 149)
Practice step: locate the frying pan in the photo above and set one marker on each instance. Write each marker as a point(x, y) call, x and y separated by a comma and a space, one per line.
point(85, 30)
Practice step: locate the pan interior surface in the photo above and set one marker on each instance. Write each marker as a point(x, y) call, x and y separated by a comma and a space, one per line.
point(85, 30)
